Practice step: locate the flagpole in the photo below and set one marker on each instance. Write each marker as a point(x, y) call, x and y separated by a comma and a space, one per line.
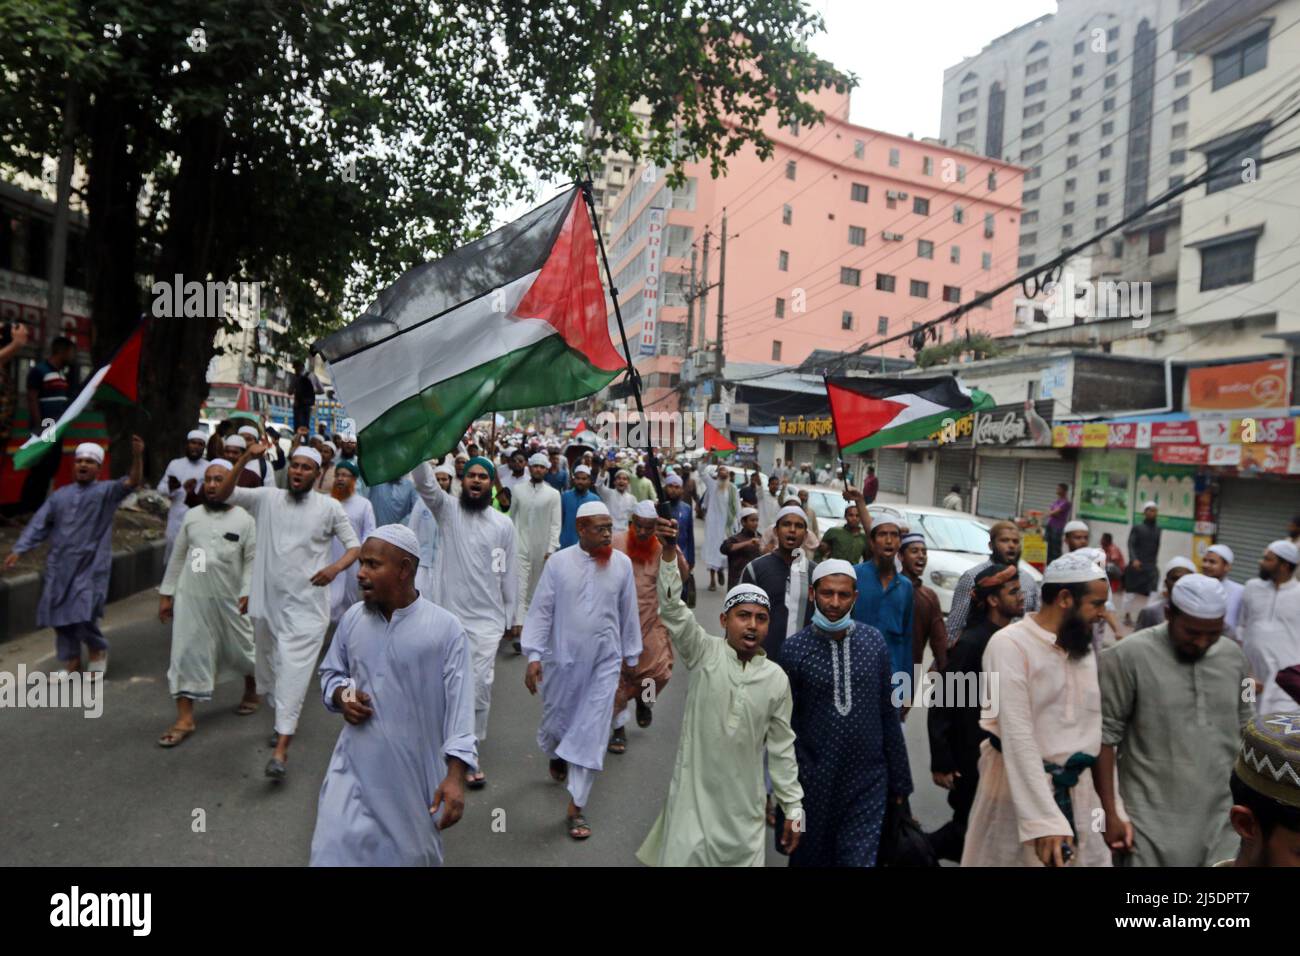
point(634, 377)
point(844, 468)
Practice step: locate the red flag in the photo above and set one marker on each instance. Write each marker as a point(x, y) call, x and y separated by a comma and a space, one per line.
point(714, 440)
point(121, 383)
point(582, 427)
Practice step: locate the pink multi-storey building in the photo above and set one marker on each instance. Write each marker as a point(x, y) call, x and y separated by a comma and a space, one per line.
point(845, 236)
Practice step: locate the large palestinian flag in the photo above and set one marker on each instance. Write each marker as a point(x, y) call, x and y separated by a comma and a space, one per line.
point(875, 412)
point(514, 320)
point(117, 381)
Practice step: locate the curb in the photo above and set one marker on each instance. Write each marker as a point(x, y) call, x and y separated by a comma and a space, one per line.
point(132, 571)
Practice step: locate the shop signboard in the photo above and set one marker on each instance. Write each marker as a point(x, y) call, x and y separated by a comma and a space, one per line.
point(1105, 486)
point(1171, 487)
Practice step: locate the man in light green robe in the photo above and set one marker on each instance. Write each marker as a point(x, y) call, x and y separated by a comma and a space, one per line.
point(1172, 712)
point(738, 703)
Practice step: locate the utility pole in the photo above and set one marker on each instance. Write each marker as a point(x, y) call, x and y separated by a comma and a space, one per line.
point(722, 278)
point(690, 312)
point(704, 290)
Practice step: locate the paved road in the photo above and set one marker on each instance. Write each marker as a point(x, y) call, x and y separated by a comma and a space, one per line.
point(100, 791)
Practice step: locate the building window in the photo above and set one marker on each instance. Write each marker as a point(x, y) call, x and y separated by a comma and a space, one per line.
point(924, 249)
point(919, 289)
point(958, 213)
point(893, 157)
point(850, 276)
point(1067, 231)
point(993, 180)
point(1029, 238)
point(846, 321)
point(988, 225)
point(1103, 175)
point(882, 325)
point(1034, 109)
point(1033, 89)
point(1109, 82)
point(1077, 71)
point(1029, 195)
point(1247, 57)
point(794, 128)
point(780, 308)
point(890, 201)
point(1229, 160)
point(1038, 66)
point(776, 351)
point(954, 255)
point(859, 148)
point(1078, 48)
point(1180, 105)
point(1182, 79)
point(1108, 104)
point(858, 192)
point(965, 116)
point(1068, 210)
point(1177, 156)
point(857, 236)
point(951, 293)
point(1107, 127)
point(1112, 57)
point(1099, 222)
point(884, 282)
point(1228, 263)
point(920, 206)
point(1075, 116)
point(790, 167)
point(987, 303)
point(1025, 261)
point(1035, 130)
point(966, 135)
point(1028, 217)
point(1175, 181)
point(1033, 173)
point(1076, 93)
point(1112, 34)
point(1178, 131)
point(961, 173)
point(787, 214)
point(1156, 241)
point(1071, 162)
point(927, 166)
point(1069, 185)
point(968, 95)
point(986, 260)
point(783, 261)
point(1103, 199)
point(1105, 151)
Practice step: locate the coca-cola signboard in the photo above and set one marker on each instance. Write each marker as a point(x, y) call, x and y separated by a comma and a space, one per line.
point(1018, 425)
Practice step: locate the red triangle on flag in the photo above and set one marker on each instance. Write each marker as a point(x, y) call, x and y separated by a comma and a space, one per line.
point(582, 427)
point(715, 441)
point(121, 383)
point(857, 416)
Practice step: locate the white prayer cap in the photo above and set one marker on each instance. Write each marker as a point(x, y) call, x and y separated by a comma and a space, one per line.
point(582, 470)
point(235, 441)
point(791, 510)
point(1200, 596)
point(833, 566)
point(1097, 555)
point(196, 434)
point(88, 449)
point(445, 470)
point(1178, 562)
point(593, 509)
point(250, 431)
point(673, 479)
point(1283, 548)
point(746, 512)
point(745, 594)
point(645, 509)
point(1076, 525)
point(1222, 550)
point(788, 499)
point(306, 451)
point(1150, 504)
point(219, 463)
point(540, 459)
point(348, 436)
point(331, 446)
point(1073, 568)
point(624, 472)
point(399, 536)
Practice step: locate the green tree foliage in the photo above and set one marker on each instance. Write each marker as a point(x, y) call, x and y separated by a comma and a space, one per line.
point(977, 347)
point(323, 147)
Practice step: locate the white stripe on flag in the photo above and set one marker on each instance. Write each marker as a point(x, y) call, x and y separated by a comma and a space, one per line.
point(75, 408)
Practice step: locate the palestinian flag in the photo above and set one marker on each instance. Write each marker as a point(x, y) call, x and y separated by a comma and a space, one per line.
point(514, 320)
point(118, 381)
point(715, 441)
point(875, 412)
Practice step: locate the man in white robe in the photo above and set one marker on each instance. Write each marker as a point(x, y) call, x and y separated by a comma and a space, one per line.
point(1035, 799)
point(1270, 624)
point(206, 588)
point(582, 627)
point(478, 575)
point(182, 481)
point(535, 511)
point(618, 499)
point(344, 591)
point(425, 526)
point(1217, 564)
point(768, 504)
point(289, 601)
point(398, 671)
point(721, 507)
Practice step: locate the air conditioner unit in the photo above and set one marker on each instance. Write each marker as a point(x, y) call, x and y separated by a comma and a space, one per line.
point(892, 236)
point(702, 360)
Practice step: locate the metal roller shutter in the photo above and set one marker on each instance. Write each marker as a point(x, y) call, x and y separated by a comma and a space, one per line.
point(891, 469)
point(999, 487)
point(1252, 513)
point(1042, 475)
point(953, 469)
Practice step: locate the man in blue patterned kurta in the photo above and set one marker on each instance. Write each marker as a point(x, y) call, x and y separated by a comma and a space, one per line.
point(681, 513)
point(848, 738)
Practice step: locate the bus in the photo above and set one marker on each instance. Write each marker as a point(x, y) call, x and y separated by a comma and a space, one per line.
point(225, 397)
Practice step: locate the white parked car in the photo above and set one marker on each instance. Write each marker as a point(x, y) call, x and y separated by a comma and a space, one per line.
point(955, 542)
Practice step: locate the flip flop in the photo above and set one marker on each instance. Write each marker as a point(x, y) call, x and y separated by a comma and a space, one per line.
point(247, 707)
point(577, 825)
point(276, 769)
point(618, 741)
point(559, 770)
point(174, 736)
point(476, 781)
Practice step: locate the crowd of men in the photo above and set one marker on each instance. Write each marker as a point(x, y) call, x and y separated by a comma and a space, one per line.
point(1177, 737)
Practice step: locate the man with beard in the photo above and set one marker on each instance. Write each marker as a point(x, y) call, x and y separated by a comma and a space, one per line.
point(1266, 802)
point(954, 731)
point(78, 520)
point(679, 509)
point(783, 576)
point(1270, 624)
point(344, 591)
point(294, 529)
point(206, 586)
point(1143, 553)
point(885, 598)
point(847, 738)
point(618, 500)
point(737, 714)
point(478, 576)
point(259, 466)
point(927, 614)
point(182, 481)
point(1217, 564)
point(249, 476)
point(1172, 708)
point(518, 472)
point(743, 546)
point(642, 488)
point(1004, 543)
point(769, 503)
point(1154, 612)
point(1034, 803)
point(645, 682)
point(398, 671)
point(581, 630)
point(328, 452)
point(536, 512)
point(721, 508)
point(393, 501)
point(573, 499)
